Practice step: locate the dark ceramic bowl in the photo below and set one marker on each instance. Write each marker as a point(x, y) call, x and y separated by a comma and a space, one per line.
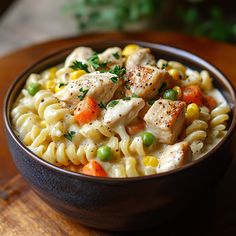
point(125, 203)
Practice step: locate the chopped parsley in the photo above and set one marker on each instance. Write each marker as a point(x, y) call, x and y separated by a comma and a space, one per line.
point(102, 105)
point(119, 71)
point(84, 92)
point(126, 98)
point(134, 95)
point(78, 65)
point(112, 103)
point(163, 86)
point(151, 102)
point(61, 85)
point(127, 86)
point(94, 62)
point(164, 65)
point(70, 135)
point(116, 55)
point(114, 79)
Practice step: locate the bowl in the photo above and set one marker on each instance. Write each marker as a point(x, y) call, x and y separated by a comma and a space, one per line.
point(125, 203)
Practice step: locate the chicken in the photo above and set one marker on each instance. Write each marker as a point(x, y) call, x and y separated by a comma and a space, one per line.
point(145, 81)
point(174, 156)
point(112, 56)
point(123, 111)
point(97, 85)
point(81, 54)
point(141, 57)
point(166, 119)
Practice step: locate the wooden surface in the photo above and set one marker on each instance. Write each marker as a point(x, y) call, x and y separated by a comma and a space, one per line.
point(23, 213)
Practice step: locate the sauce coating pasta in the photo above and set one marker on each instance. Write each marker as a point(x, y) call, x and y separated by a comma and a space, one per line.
point(120, 113)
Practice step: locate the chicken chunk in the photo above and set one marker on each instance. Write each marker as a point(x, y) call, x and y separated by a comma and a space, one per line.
point(97, 85)
point(145, 81)
point(141, 57)
point(123, 112)
point(81, 54)
point(174, 156)
point(166, 119)
point(112, 56)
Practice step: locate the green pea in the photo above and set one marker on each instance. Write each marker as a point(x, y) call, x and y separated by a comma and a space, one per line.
point(104, 153)
point(148, 138)
point(33, 88)
point(170, 94)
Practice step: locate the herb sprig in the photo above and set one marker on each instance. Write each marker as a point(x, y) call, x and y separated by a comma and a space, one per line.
point(70, 135)
point(102, 105)
point(116, 55)
point(112, 103)
point(78, 65)
point(84, 92)
point(94, 62)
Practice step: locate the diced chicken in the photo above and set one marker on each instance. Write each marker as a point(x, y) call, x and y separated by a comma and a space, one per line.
point(123, 112)
point(145, 81)
point(174, 156)
point(97, 85)
point(141, 57)
point(81, 54)
point(166, 119)
point(112, 56)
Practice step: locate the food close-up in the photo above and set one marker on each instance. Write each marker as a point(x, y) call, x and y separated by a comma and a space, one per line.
point(121, 112)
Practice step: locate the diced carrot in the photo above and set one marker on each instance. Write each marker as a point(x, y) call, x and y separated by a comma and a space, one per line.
point(135, 128)
point(192, 94)
point(86, 111)
point(94, 168)
point(209, 102)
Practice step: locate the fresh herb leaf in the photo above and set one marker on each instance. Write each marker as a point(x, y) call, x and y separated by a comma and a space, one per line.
point(102, 105)
point(151, 102)
point(94, 62)
point(61, 84)
point(114, 79)
point(127, 86)
point(134, 95)
point(163, 86)
point(116, 55)
point(70, 135)
point(78, 65)
point(112, 103)
point(126, 98)
point(164, 65)
point(84, 92)
point(119, 71)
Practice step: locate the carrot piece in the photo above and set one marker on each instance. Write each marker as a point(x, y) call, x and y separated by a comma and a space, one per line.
point(86, 111)
point(192, 94)
point(209, 102)
point(94, 168)
point(135, 128)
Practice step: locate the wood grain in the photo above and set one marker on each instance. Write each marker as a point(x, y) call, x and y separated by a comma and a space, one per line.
point(23, 213)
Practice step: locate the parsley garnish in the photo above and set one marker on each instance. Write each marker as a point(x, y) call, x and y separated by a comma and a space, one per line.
point(102, 105)
point(151, 102)
point(126, 98)
point(112, 103)
point(164, 65)
point(94, 62)
point(134, 95)
point(127, 86)
point(119, 71)
point(78, 65)
point(61, 85)
point(161, 89)
point(84, 92)
point(70, 135)
point(116, 55)
point(114, 79)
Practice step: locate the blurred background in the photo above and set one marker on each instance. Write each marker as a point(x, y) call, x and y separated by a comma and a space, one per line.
point(23, 22)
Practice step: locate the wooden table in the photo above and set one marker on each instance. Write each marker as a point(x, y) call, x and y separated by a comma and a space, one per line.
point(23, 213)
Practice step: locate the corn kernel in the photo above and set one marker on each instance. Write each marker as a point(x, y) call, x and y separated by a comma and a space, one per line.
point(150, 161)
point(59, 87)
point(50, 85)
point(76, 74)
point(179, 91)
point(43, 123)
point(176, 74)
point(52, 72)
point(129, 49)
point(192, 112)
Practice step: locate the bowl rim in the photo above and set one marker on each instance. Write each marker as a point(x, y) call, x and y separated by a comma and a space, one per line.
point(171, 50)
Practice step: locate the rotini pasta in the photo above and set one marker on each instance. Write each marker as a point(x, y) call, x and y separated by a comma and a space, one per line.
point(119, 113)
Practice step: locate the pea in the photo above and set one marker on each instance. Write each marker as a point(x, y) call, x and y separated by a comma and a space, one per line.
point(170, 94)
point(148, 138)
point(104, 153)
point(33, 88)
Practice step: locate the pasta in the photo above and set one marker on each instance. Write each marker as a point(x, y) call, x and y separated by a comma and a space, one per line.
point(119, 113)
